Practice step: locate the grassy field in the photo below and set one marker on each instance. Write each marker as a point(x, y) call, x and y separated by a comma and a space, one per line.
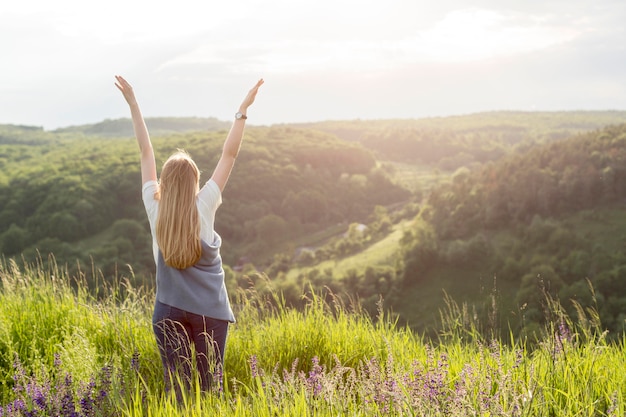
point(64, 352)
point(383, 252)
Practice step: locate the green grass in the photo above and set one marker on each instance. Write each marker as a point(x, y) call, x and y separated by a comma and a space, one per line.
point(325, 360)
point(383, 252)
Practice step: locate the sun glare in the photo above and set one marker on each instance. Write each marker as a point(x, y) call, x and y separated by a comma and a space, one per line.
point(468, 35)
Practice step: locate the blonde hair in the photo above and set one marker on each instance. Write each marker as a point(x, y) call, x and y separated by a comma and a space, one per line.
point(178, 220)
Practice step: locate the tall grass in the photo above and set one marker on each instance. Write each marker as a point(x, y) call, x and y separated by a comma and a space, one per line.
point(68, 352)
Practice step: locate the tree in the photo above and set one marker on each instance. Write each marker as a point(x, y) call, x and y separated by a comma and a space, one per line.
point(420, 251)
point(132, 230)
point(64, 226)
point(308, 206)
point(12, 241)
point(271, 228)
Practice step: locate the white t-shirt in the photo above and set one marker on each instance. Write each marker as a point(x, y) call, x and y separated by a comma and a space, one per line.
point(208, 200)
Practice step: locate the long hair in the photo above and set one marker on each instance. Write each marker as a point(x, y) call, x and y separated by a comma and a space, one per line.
point(178, 220)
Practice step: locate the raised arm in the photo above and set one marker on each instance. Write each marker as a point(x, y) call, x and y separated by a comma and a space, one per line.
point(233, 140)
point(148, 164)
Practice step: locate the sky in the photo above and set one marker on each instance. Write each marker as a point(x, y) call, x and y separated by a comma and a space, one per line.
point(321, 60)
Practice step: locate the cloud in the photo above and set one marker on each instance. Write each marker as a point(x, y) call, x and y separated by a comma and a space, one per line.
point(460, 36)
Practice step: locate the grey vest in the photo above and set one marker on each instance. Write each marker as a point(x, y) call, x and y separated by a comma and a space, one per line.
point(199, 289)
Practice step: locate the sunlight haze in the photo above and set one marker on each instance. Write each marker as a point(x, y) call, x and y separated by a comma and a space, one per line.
point(321, 60)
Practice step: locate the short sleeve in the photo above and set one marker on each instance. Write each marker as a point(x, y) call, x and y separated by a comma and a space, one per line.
point(152, 209)
point(210, 196)
point(150, 203)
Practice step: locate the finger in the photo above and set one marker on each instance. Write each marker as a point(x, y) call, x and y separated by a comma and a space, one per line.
point(257, 85)
point(122, 81)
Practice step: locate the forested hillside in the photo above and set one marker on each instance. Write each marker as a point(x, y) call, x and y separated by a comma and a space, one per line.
point(542, 215)
point(551, 219)
point(495, 209)
point(79, 197)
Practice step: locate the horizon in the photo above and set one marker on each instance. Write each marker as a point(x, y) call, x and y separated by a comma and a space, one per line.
point(349, 60)
point(148, 118)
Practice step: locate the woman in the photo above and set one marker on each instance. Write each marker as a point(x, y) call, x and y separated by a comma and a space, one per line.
point(192, 311)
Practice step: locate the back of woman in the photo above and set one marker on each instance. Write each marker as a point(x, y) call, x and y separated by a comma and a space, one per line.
point(192, 310)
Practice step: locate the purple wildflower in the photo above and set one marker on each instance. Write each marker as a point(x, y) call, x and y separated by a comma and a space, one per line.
point(218, 377)
point(87, 402)
point(86, 405)
point(68, 408)
point(105, 382)
point(314, 381)
point(134, 362)
point(17, 405)
point(39, 398)
point(563, 337)
point(254, 369)
point(564, 332)
point(19, 375)
point(57, 361)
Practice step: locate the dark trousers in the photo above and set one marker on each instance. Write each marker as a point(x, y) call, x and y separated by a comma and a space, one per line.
point(178, 335)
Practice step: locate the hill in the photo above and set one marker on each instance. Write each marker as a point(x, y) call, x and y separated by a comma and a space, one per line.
point(157, 126)
point(394, 208)
point(547, 220)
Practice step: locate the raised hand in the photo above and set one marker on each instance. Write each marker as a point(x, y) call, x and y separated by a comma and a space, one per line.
point(126, 89)
point(249, 99)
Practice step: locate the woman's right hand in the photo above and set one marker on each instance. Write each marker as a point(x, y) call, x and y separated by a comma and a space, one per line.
point(126, 89)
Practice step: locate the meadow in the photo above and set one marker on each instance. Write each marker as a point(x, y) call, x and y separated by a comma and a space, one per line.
point(65, 351)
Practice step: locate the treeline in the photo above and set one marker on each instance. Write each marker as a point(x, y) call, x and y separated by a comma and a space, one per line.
point(448, 143)
point(157, 126)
